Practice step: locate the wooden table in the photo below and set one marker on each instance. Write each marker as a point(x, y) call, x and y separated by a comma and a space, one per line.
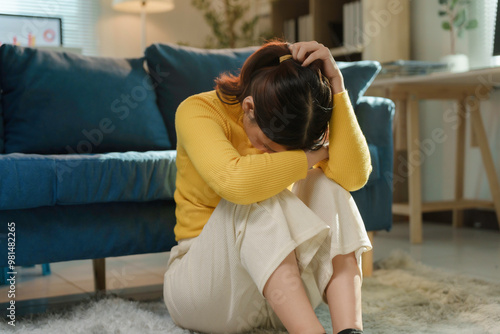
point(468, 89)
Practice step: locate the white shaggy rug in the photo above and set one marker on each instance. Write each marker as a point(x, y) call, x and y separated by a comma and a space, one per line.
point(401, 297)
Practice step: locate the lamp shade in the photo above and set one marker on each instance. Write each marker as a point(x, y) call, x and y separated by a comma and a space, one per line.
point(150, 6)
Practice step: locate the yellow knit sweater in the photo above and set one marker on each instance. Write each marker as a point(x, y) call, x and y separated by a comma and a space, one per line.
point(215, 159)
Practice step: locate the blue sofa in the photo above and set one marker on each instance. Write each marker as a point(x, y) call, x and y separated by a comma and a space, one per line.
point(87, 148)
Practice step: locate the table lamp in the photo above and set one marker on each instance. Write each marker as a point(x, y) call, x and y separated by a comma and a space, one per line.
point(143, 7)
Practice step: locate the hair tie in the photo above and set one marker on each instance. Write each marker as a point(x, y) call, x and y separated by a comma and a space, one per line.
point(285, 57)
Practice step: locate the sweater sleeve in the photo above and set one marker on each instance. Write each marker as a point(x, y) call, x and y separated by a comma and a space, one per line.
point(349, 162)
point(203, 133)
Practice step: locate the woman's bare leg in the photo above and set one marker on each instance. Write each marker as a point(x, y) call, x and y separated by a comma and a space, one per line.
point(343, 293)
point(286, 295)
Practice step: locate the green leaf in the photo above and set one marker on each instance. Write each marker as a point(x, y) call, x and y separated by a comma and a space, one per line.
point(226, 19)
point(446, 26)
point(460, 33)
point(248, 26)
point(442, 13)
point(460, 18)
point(472, 24)
point(453, 4)
point(443, 2)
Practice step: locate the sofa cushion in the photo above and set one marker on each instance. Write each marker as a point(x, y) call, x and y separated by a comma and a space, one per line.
point(26, 181)
point(1, 123)
point(375, 174)
point(57, 103)
point(31, 180)
point(179, 72)
point(358, 76)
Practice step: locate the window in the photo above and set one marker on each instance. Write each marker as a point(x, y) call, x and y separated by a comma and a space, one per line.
point(79, 18)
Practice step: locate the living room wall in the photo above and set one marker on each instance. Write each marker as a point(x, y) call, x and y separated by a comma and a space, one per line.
point(120, 33)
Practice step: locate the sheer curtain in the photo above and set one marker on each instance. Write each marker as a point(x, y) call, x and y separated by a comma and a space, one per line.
point(79, 18)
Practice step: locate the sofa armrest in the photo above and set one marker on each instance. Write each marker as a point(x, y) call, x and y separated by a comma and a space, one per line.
point(375, 115)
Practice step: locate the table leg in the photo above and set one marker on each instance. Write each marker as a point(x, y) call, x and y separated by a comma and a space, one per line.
point(400, 179)
point(367, 258)
point(399, 126)
point(489, 165)
point(99, 266)
point(414, 177)
point(458, 214)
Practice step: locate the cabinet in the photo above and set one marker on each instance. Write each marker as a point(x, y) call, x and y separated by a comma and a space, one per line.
point(384, 26)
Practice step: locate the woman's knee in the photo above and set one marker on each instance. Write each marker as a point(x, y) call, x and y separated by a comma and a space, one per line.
point(343, 262)
point(315, 177)
point(317, 188)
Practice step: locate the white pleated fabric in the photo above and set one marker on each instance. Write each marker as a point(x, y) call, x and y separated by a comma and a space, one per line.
point(214, 282)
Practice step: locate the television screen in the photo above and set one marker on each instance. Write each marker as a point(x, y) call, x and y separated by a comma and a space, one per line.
point(30, 30)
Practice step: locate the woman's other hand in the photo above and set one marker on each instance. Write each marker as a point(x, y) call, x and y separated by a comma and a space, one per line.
point(307, 52)
point(313, 157)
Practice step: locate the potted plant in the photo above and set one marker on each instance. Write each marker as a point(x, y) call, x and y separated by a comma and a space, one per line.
point(456, 21)
point(230, 25)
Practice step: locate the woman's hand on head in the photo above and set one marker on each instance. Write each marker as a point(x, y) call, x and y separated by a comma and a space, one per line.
point(307, 52)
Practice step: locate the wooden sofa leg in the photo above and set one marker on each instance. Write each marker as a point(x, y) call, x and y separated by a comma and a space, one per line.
point(99, 266)
point(367, 258)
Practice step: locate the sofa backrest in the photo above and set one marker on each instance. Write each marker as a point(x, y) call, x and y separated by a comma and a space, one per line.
point(180, 71)
point(64, 103)
point(57, 103)
point(1, 122)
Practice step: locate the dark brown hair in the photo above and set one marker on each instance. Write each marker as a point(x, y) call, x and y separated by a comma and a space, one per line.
point(293, 103)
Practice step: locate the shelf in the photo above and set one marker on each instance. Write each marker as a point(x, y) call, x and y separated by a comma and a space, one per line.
point(346, 50)
point(404, 208)
point(385, 31)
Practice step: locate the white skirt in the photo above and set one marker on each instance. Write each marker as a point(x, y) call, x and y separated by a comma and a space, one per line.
point(214, 283)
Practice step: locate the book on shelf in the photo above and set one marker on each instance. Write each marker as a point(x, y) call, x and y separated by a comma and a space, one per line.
point(355, 20)
point(305, 28)
point(290, 30)
point(348, 25)
point(352, 24)
point(298, 29)
point(359, 28)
